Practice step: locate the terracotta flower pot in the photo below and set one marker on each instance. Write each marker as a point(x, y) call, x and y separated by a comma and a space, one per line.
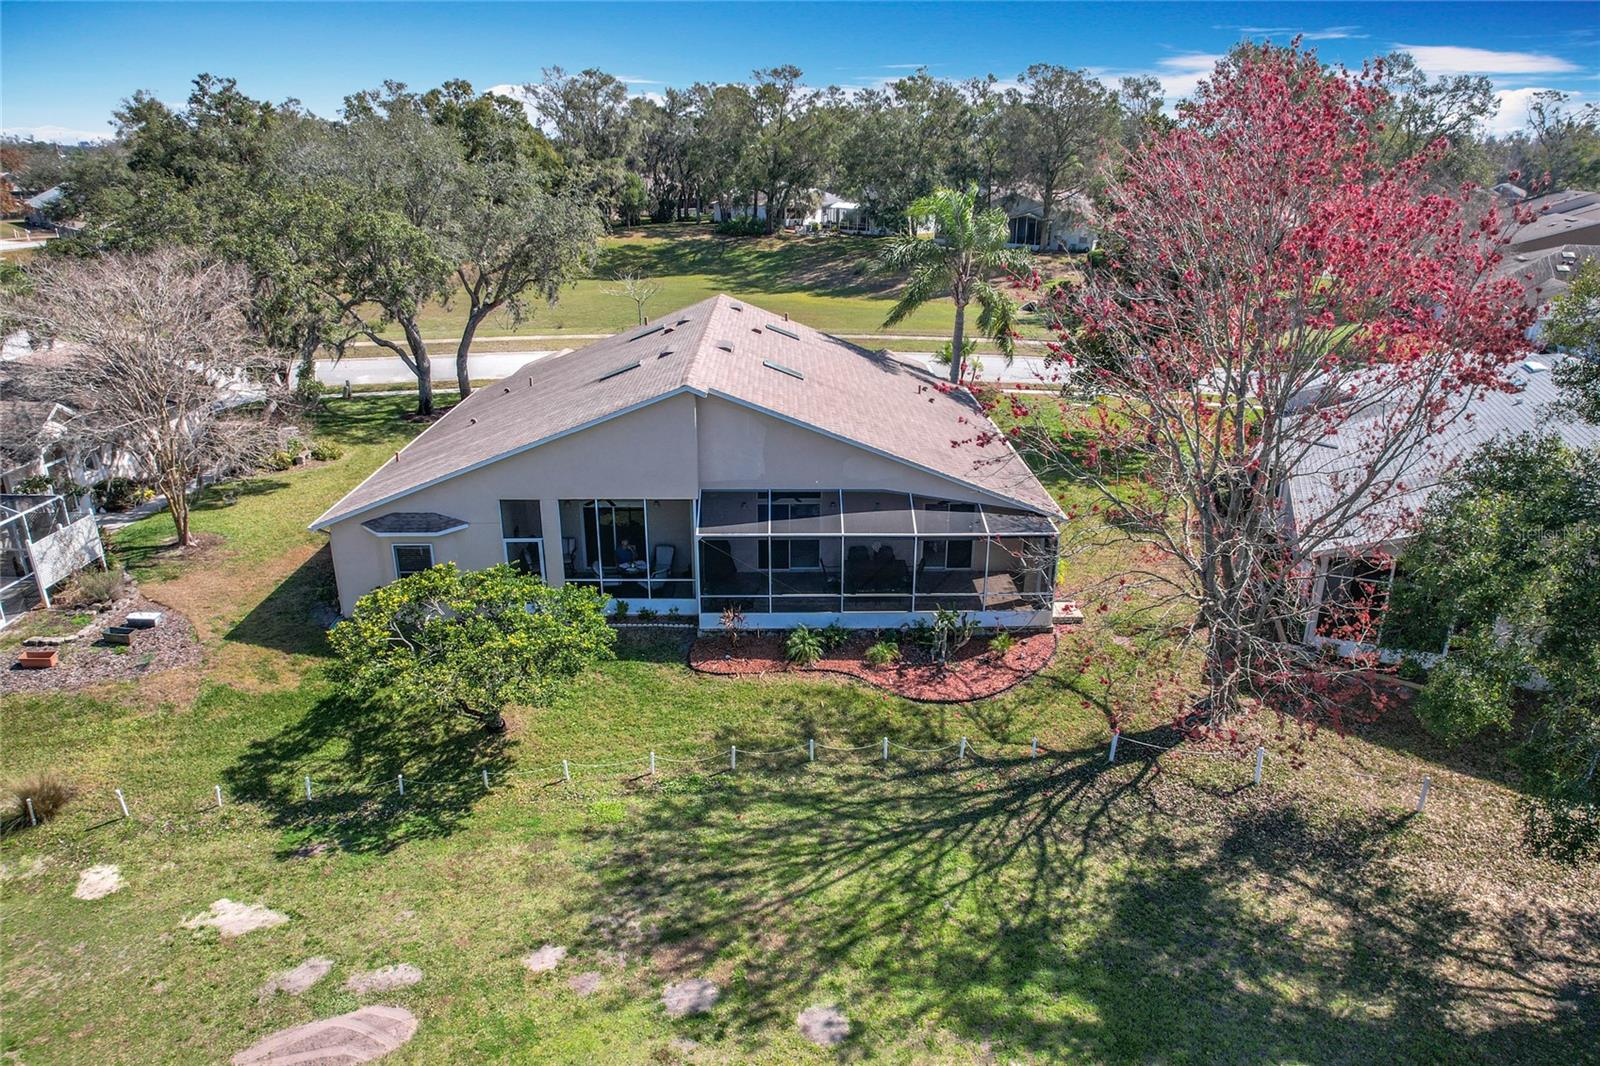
point(37, 658)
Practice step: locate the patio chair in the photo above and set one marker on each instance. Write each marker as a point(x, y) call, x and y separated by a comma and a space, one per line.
point(661, 560)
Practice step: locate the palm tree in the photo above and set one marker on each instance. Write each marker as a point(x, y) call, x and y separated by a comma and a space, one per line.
point(968, 247)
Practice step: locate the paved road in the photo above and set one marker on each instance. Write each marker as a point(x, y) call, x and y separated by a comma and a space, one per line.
point(489, 366)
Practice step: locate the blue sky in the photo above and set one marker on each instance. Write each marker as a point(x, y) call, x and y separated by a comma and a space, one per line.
point(66, 65)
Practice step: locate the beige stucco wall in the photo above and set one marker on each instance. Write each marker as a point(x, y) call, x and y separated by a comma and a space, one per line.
point(669, 450)
point(649, 453)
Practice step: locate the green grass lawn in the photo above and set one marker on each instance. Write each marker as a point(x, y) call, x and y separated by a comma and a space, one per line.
point(829, 283)
point(997, 909)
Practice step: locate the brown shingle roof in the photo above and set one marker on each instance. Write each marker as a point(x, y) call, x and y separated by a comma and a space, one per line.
point(718, 347)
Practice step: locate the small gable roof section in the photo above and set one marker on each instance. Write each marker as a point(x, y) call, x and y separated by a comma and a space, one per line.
point(730, 349)
point(413, 523)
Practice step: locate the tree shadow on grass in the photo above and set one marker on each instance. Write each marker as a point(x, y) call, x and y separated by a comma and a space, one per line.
point(354, 754)
point(1077, 912)
point(294, 616)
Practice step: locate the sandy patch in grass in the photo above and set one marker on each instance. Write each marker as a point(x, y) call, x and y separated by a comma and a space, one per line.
point(97, 882)
point(694, 996)
point(823, 1026)
point(383, 979)
point(235, 919)
point(545, 959)
point(297, 980)
point(360, 1036)
point(585, 984)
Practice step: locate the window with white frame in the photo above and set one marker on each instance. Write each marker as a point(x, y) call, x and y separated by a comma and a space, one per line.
point(522, 532)
point(412, 559)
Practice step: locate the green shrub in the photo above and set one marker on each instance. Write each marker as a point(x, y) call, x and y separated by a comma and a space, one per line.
point(1411, 670)
point(804, 646)
point(120, 493)
point(647, 614)
point(35, 484)
point(280, 460)
point(741, 227)
point(295, 447)
point(833, 635)
point(100, 586)
point(325, 451)
point(883, 653)
point(619, 610)
point(49, 792)
point(1001, 643)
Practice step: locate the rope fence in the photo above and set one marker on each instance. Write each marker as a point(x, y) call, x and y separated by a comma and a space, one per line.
point(883, 750)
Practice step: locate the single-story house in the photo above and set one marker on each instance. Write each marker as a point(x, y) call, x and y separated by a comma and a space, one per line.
point(723, 457)
point(1356, 562)
point(1569, 217)
point(1071, 227)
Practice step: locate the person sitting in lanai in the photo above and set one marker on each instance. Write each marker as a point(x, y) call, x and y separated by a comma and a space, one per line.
point(625, 552)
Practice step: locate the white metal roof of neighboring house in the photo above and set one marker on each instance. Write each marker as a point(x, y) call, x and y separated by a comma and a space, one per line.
point(730, 349)
point(44, 199)
point(1316, 487)
point(1547, 273)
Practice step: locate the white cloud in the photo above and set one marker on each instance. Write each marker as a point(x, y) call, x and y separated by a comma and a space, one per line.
point(1451, 59)
point(1329, 33)
point(55, 134)
point(1181, 75)
point(520, 94)
point(1513, 113)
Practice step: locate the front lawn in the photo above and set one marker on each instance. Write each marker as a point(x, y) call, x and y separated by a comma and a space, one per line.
point(1001, 908)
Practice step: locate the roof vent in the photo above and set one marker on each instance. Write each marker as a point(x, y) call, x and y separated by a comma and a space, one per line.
point(737, 307)
point(780, 368)
point(619, 370)
point(663, 353)
point(787, 333)
point(657, 328)
point(725, 346)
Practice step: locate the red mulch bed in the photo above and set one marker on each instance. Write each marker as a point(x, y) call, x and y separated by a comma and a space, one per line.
point(971, 674)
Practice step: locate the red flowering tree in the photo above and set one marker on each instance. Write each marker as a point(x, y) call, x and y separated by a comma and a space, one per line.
point(1271, 289)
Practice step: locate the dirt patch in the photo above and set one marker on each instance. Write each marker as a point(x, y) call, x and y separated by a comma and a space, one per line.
point(973, 673)
point(585, 984)
point(545, 959)
point(360, 1036)
point(297, 980)
point(234, 919)
point(98, 882)
point(154, 651)
point(694, 996)
point(682, 956)
point(383, 979)
point(823, 1026)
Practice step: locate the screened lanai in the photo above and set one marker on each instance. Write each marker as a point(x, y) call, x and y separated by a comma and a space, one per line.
point(842, 551)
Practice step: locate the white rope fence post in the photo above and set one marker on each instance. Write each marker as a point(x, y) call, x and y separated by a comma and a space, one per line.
point(308, 787)
point(32, 818)
point(218, 790)
point(811, 750)
point(566, 772)
point(485, 778)
point(1033, 748)
point(733, 757)
point(1261, 757)
point(1422, 797)
point(885, 749)
point(652, 764)
point(123, 803)
point(400, 780)
point(1115, 733)
point(963, 753)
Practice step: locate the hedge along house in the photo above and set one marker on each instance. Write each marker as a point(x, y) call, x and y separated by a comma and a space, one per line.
point(722, 457)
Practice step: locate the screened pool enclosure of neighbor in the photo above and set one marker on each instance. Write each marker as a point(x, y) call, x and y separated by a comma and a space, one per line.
point(870, 558)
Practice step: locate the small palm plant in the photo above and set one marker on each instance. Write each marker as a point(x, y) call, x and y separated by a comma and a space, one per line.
point(968, 250)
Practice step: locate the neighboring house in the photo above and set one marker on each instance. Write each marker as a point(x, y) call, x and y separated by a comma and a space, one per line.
point(37, 435)
point(727, 212)
point(1361, 554)
point(1071, 227)
point(1546, 274)
point(1571, 217)
point(39, 206)
point(724, 457)
point(44, 539)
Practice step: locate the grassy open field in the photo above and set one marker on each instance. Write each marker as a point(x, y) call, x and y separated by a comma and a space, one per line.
point(830, 283)
point(999, 908)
